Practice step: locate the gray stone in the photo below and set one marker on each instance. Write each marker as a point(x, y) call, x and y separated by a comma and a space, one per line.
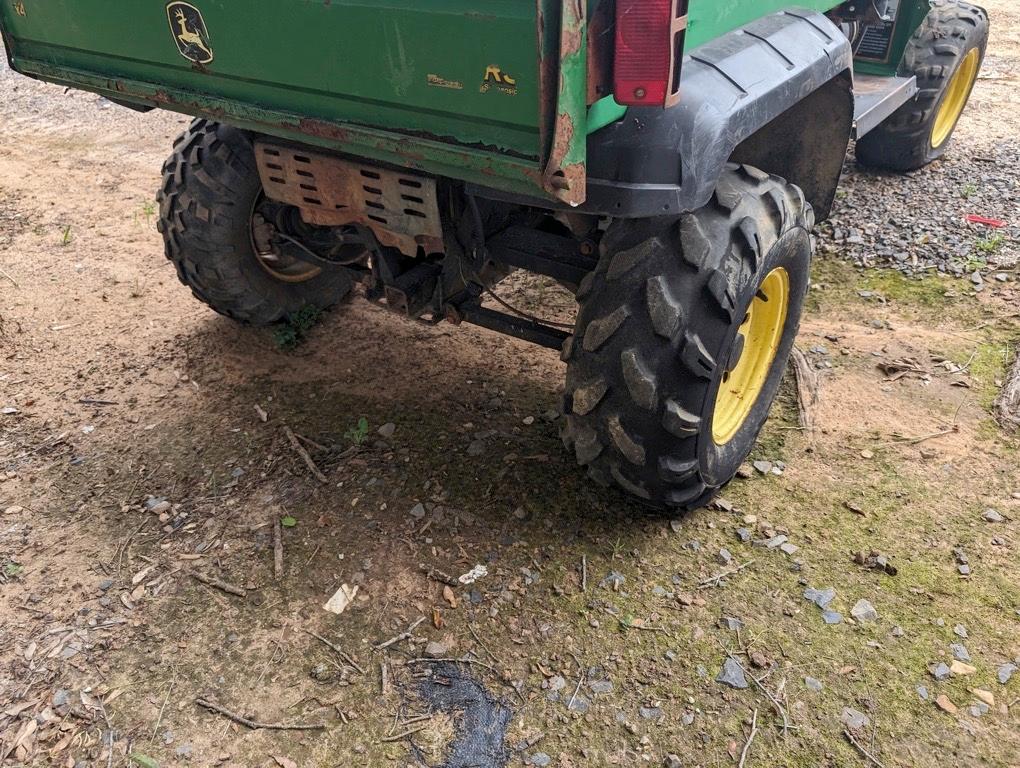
point(650, 713)
point(854, 720)
point(540, 759)
point(418, 511)
point(992, 516)
point(820, 597)
point(732, 674)
point(744, 534)
point(964, 570)
point(897, 631)
point(776, 541)
point(763, 466)
point(960, 652)
point(105, 584)
point(1006, 672)
point(960, 631)
point(387, 429)
point(61, 698)
point(941, 671)
point(672, 761)
point(864, 611)
point(613, 580)
point(732, 624)
point(813, 684)
point(579, 704)
point(724, 556)
point(978, 708)
point(601, 686)
point(436, 650)
point(789, 548)
point(832, 617)
point(183, 751)
point(557, 683)
point(922, 692)
point(476, 448)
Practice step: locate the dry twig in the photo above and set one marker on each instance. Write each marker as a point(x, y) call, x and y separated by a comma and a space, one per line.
point(300, 450)
point(337, 649)
point(714, 580)
point(860, 748)
point(256, 726)
point(218, 584)
point(406, 635)
point(277, 548)
point(750, 738)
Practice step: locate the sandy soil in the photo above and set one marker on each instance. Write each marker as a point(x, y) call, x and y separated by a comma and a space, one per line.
point(133, 454)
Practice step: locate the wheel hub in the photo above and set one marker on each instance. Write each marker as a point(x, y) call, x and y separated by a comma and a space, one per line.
point(955, 99)
point(754, 352)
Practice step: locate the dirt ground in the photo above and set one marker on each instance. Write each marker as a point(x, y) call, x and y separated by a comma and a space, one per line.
point(143, 443)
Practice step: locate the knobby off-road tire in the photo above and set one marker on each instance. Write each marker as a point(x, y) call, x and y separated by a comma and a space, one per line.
point(947, 48)
point(210, 188)
point(658, 330)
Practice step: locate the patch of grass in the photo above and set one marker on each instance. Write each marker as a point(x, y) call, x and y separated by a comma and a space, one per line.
point(359, 432)
point(990, 244)
point(66, 237)
point(968, 191)
point(293, 332)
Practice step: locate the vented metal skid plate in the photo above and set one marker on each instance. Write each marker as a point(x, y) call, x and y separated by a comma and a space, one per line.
point(399, 207)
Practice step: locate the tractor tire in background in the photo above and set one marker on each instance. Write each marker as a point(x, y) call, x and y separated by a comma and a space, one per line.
point(945, 54)
point(682, 338)
point(211, 187)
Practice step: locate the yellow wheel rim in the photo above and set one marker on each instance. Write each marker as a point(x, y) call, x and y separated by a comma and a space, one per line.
point(761, 334)
point(955, 99)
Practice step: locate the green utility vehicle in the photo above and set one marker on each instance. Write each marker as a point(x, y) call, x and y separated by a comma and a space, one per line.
point(665, 160)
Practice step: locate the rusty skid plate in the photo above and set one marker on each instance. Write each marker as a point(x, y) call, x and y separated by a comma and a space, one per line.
point(399, 207)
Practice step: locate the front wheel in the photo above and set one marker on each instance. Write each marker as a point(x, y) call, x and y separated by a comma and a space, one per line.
point(945, 54)
point(682, 338)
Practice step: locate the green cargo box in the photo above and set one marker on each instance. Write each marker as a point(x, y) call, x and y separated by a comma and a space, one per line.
point(493, 92)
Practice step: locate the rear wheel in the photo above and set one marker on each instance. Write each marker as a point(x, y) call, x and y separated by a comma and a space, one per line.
point(682, 338)
point(212, 212)
point(945, 55)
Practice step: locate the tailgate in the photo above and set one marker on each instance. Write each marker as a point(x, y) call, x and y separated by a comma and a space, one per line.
point(458, 88)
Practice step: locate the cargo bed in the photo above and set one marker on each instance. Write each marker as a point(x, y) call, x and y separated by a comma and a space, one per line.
point(494, 96)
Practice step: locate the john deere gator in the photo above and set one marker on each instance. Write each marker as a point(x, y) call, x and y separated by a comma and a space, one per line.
point(665, 160)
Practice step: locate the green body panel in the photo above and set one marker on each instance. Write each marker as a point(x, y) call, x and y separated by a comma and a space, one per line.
point(911, 14)
point(709, 19)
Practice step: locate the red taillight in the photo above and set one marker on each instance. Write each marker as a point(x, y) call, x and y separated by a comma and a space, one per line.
point(649, 42)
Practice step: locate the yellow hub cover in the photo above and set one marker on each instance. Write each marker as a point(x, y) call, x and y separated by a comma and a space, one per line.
point(956, 98)
point(762, 332)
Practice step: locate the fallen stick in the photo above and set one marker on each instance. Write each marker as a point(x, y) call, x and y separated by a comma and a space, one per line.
point(405, 635)
point(277, 548)
point(339, 651)
point(719, 576)
point(860, 748)
point(93, 401)
point(750, 738)
point(807, 388)
point(904, 440)
point(1007, 404)
point(218, 584)
point(403, 735)
point(437, 575)
point(2, 272)
point(255, 726)
point(299, 449)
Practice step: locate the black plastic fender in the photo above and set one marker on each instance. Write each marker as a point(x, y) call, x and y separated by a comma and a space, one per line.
point(657, 162)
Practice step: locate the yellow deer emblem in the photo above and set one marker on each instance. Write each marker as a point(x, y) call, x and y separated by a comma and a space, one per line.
point(190, 32)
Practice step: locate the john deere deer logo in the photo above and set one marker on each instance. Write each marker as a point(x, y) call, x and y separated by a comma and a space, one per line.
point(190, 33)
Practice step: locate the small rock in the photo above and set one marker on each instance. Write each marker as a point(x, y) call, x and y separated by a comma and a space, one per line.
point(763, 466)
point(732, 674)
point(539, 759)
point(820, 597)
point(1006, 672)
point(476, 448)
point(600, 686)
point(813, 684)
point(732, 624)
point(183, 751)
point(528, 421)
point(864, 611)
point(986, 696)
point(436, 650)
point(943, 703)
point(897, 631)
point(650, 713)
point(960, 652)
point(832, 617)
point(744, 534)
point(613, 580)
point(387, 430)
point(105, 584)
point(964, 570)
point(579, 704)
point(676, 524)
point(960, 631)
point(322, 673)
point(960, 668)
point(61, 697)
point(922, 692)
point(854, 720)
point(776, 541)
point(979, 709)
point(556, 683)
point(788, 548)
point(724, 556)
point(941, 671)
point(672, 761)
point(418, 511)
point(992, 516)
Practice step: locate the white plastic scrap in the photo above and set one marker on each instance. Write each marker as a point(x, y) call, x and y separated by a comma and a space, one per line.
point(474, 575)
point(343, 598)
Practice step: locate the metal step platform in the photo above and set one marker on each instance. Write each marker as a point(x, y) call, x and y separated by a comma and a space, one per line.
point(877, 97)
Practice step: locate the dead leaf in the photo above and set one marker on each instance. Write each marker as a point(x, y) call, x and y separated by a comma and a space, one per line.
point(449, 597)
